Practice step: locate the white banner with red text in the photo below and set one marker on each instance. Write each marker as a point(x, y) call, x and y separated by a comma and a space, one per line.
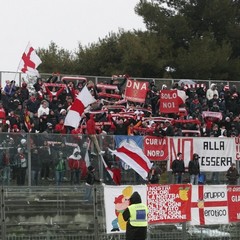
point(215, 154)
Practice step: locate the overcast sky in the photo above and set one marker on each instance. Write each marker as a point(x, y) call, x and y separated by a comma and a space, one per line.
point(65, 22)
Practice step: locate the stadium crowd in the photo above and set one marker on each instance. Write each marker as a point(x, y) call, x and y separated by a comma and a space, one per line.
point(206, 112)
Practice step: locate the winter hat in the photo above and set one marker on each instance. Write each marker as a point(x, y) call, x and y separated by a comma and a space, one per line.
point(49, 124)
point(63, 110)
point(19, 150)
point(195, 155)
point(164, 86)
point(23, 141)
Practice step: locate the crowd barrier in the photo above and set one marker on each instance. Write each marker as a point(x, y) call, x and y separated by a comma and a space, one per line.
point(41, 152)
point(20, 77)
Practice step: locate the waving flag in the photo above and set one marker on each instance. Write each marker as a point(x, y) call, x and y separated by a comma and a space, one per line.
point(181, 97)
point(30, 61)
point(135, 158)
point(83, 99)
point(86, 157)
point(113, 172)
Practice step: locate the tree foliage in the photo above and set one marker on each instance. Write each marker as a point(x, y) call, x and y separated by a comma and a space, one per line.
point(56, 59)
point(203, 35)
point(198, 39)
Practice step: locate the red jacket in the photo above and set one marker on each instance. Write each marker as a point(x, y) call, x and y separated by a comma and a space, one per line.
point(91, 126)
point(74, 163)
point(2, 113)
point(60, 128)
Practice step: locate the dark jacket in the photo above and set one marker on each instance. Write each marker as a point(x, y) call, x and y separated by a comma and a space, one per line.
point(45, 154)
point(193, 167)
point(35, 160)
point(134, 233)
point(24, 93)
point(232, 175)
point(121, 129)
point(5, 160)
point(178, 166)
point(91, 178)
point(32, 105)
point(154, 177)
point(169, 131)
point(21, 161)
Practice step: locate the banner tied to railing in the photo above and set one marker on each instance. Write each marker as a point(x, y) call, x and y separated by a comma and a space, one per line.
point(215, 154)
point(175, 203)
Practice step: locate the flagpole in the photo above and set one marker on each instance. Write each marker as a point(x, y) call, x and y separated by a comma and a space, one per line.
point(20, 61)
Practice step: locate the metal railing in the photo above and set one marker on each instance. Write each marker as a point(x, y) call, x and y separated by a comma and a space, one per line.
point(42, 152)
point(19, 77)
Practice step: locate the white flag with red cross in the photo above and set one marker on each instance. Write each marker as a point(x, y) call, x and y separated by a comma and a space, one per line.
point(30, 61)
point(209, 205)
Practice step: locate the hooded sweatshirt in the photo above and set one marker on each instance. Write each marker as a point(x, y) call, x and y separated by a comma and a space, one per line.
point(210, 92)
point(74, 159)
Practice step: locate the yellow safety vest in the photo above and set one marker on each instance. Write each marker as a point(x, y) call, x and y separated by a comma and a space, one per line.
point(138, 215)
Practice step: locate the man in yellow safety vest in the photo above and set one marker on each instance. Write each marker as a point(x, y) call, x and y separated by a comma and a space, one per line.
point(136, 217)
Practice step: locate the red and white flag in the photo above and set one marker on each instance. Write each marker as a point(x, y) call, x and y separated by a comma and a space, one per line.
point(209, 205)
point(181, 97)
point(86, 157)
point(83, 99)
point(30, 61)
point(134, 157)
point(114, 173)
